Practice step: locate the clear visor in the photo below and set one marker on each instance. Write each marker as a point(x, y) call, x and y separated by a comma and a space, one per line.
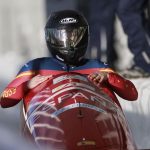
point(64, 38)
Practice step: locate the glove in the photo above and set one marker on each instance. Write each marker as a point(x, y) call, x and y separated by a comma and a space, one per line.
point(98, 78)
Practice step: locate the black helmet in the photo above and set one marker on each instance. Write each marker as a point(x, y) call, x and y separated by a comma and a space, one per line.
point(66, 34)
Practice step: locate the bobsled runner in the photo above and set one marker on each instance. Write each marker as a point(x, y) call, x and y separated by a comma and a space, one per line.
point(70, 113)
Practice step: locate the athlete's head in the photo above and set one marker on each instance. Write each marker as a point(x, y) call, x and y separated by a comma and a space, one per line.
point(66, 35)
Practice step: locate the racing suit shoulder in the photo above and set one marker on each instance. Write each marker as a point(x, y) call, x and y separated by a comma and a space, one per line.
point(97, 63)
point(15, 90)
point(37, 64)
point(91, 66)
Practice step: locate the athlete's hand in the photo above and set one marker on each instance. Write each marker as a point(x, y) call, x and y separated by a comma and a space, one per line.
point(98, 77)
point(37, 80)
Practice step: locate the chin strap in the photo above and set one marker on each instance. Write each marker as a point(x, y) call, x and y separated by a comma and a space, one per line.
point(61, 59)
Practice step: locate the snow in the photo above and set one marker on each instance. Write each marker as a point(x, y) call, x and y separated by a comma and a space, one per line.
point(137, 113)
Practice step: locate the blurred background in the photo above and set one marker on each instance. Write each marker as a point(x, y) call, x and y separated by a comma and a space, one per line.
point(22, 39)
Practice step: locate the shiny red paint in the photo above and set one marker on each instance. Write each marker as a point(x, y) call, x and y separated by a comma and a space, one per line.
point(69, 113)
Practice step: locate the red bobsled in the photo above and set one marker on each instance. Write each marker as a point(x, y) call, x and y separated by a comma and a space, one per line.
point(69, 113)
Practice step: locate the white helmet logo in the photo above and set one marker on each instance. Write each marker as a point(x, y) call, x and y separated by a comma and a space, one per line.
point(68, 20)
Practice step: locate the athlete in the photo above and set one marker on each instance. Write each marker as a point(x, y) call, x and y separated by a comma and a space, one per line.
point(67, 36)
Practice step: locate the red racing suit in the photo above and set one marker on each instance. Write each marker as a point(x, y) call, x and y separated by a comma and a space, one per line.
point(18, 88)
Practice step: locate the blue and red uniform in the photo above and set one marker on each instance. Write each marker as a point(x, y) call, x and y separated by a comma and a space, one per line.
point(18, 88)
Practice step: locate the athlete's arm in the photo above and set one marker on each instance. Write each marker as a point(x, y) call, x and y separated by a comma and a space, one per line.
point(107, 78)
point(123, 87)
point(15, 91)
point(12, 95)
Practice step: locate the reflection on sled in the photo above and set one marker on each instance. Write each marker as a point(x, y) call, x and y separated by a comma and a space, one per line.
point(69, 113)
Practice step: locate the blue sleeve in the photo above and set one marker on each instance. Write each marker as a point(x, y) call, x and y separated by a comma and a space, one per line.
point(130, 12)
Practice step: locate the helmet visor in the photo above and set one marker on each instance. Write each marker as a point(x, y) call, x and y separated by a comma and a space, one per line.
point(65, 38)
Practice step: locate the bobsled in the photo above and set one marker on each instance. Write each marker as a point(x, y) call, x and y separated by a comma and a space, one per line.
point(68, 112)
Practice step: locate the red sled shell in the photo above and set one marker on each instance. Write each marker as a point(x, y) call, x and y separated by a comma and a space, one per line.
point(70, 113)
